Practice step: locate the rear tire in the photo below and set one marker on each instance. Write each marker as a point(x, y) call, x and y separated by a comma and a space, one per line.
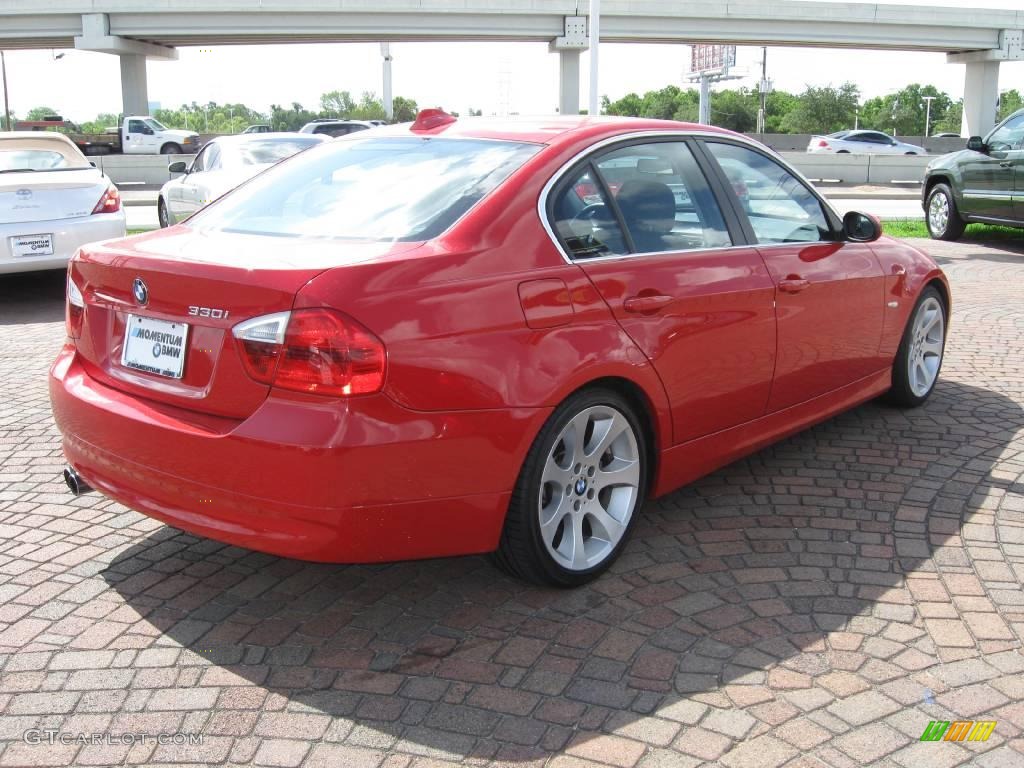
point(578, 493)
point(170, 149)
point(915, 371)
point(941, 216)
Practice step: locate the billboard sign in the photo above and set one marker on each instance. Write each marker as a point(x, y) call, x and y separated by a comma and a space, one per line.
point(705, 57)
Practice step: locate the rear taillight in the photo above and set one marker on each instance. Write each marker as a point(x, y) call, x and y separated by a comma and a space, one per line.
point(75, 310)
point(822, 143)
point(319, 351)
point(110, 202)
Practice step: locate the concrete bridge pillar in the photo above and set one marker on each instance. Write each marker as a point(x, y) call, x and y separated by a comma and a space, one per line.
point(981, 92)
point(981, 80)
point(133, 54)
point(568, 47)
point(134, 91)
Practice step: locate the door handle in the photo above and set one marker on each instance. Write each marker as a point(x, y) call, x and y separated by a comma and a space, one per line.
point(1006, 164)
point(793, 284)
point(643, 305)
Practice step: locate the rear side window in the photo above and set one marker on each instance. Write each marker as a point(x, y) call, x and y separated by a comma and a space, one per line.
point(368, 189)
point(780, 208)
point(641, 198)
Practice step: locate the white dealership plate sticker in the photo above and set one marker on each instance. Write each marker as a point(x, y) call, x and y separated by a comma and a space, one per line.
point(32, 245)
point(154, 346)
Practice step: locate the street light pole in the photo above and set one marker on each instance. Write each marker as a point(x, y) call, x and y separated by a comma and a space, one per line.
point(927, 115)
point(7, 109)
point(595, 40)
point(762, 113)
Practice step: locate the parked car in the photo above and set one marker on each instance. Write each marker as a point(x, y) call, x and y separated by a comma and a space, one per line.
point(981, 183)
point(946, 135)
point(257, 129)
point(52, 200)
point(223, 164)
point(450, 337)
point(331, 127)
point(863, 142)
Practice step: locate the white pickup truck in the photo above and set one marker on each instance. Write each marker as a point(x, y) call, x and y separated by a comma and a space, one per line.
point(137, 135)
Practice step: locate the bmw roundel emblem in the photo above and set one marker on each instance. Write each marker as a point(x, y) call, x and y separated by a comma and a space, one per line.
point(140, 291)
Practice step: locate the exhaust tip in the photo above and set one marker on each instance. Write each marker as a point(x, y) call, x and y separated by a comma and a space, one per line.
point(74, 482)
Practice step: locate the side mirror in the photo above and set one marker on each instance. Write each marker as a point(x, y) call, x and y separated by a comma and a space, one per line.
point(92, 163)
point(975, 144)
point(861, 227)
point(178, 167)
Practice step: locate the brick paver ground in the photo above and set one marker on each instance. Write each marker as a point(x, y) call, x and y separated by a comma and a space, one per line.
point(815, 604)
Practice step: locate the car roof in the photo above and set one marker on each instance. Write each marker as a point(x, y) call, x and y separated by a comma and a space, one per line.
point(553, 130)
point(48, 140)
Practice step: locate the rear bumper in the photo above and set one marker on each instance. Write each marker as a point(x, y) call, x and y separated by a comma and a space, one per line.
point(363, 480)
point(68, 236)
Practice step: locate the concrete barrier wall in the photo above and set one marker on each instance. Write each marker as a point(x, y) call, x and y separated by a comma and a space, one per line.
point(151, 170)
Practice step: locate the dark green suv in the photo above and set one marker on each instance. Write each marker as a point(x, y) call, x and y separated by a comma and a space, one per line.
point(984, 182)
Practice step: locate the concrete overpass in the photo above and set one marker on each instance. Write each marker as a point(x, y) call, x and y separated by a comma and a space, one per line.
point(139, 29)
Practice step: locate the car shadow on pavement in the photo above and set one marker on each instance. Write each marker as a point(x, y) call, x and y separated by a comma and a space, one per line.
point(775, 587)
point(32, 297)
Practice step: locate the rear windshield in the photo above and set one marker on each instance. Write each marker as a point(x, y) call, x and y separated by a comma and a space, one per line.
point(32, 160)
point(368, 189)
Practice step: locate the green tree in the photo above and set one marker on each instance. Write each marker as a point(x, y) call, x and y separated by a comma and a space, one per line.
point(735, 109)
point(951, 120)
point(38, 113)
point(1009, 102)
point(778, 104)
point(337, 103)
point(904, 112)
point(405, 110)
point(823, 110)
point(101, 123)
point(369, 108)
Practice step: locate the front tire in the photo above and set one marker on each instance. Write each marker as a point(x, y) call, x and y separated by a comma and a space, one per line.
point(578, 493)
point(170, 149)
point(941, 215)
point(161, 214)
point(915, 370)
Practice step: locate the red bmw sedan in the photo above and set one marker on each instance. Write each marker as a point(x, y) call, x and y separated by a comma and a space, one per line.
point(467, 336)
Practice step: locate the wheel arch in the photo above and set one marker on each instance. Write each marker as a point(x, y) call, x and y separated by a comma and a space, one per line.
point(636, 396)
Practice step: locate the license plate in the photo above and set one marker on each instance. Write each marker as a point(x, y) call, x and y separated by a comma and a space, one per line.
point(155, 346)
point(32, 245)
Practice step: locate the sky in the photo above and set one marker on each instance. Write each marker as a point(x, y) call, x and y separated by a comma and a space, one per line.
point(494, 77)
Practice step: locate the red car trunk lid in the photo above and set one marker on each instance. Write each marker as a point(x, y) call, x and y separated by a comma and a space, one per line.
point(210, 281)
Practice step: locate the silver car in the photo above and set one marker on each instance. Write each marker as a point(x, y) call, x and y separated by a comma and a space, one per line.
point(222, 165)
point(863, 142)
point(52, 200)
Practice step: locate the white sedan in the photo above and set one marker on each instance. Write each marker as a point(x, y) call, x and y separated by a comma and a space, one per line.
point(222, 165)
point(52, 200)
point(863, 142)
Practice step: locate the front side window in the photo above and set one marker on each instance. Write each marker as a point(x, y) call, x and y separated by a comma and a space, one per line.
point(1010, 135)
point(780, 208)
point(382, 189)
point(136, 126)
point(663, 198)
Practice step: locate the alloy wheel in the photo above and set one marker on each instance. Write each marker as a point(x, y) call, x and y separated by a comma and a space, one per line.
point(589, 488)
point(926, 347)
point(938, 213)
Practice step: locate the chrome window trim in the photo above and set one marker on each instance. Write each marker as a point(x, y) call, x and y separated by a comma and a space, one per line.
point(542, 200)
